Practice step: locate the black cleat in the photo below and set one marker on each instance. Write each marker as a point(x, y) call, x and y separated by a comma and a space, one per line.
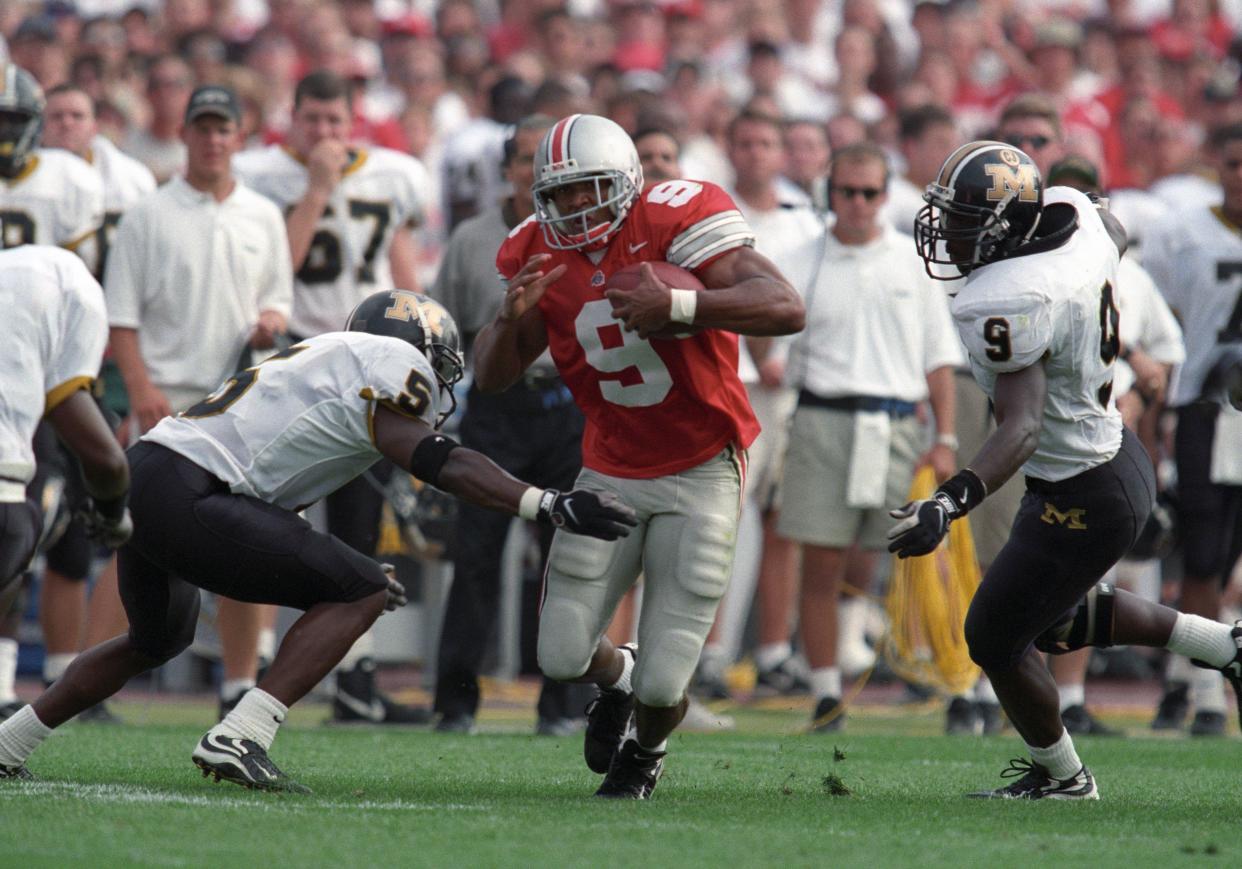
point(1207, 723)
point(962, 718)
point(99, 714)
point(608, 718)
point(243, 762)
point(1037, 784)
point(787, 677)
point(633, 773)
point(16, 772)
point(1233, 670)
point(710, 685)
point(1173, 709)
point(829, 716)
point(1079, 721)
point(462, 723)
point(359, 701)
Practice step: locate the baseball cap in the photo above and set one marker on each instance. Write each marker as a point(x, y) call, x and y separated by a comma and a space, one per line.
point(213, 99)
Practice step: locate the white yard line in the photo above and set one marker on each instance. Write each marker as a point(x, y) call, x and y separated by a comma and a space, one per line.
point(121, 794)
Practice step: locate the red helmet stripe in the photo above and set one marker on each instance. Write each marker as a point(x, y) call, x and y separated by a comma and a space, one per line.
point(558, 140)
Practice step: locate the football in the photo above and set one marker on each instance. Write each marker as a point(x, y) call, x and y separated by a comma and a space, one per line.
point(675, 276)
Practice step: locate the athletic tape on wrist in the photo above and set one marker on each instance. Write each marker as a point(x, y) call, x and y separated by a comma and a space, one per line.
point(528, 507)
point(683, 305)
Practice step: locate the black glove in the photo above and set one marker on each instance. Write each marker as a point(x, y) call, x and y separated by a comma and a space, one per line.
point(108, 523)
point(925, 523)
point(595, 514)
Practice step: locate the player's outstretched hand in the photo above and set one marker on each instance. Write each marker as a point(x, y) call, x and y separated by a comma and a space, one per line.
point(396, 591)
point(527, 287)
point(645, 307)
point(922, 526)
point(110, 530)
point(595, 514)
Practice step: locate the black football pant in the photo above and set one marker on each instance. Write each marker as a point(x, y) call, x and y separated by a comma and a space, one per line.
point(191, 532)
point(534, 433)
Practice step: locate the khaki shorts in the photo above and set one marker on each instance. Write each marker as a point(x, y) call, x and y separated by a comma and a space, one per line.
point(991, 521)
point(813, 508)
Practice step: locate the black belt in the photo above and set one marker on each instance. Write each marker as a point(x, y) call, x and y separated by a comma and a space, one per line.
point(894, 407)
point(1085, 480)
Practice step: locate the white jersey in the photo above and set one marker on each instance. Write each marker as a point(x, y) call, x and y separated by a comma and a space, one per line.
point(125, 181)
point(52, 338)
point(57, 199)
point(300, 425)
point(1195, 258)
point(381, 192)
point(1058, 306)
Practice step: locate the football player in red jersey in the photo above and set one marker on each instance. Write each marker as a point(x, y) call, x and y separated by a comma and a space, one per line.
point(668, 421)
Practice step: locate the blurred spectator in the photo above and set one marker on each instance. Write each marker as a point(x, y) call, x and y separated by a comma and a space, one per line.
point(855, 440)
point(37, 48)
point(159, 145)
point(805, 178)
point(927, 136)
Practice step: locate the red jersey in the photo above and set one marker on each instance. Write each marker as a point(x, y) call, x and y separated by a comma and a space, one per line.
point(658, 407)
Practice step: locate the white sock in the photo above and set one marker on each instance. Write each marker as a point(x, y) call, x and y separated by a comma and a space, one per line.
point(8, 669)
point(770, 655)
point(1072, 695)
point(20, 735)
point(231, 688)
point(1060, 758)
point(267, 644)
point(826, 682)
point(985, 693)
point(256, 716)
point(1204, 639)
point(54, 666)
point(1208, 689)
point(714, 658)
point(624, 682)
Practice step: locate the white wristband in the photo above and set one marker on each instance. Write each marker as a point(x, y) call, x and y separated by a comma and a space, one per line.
point(682, 305)
point(528, 507)
point(948, 440)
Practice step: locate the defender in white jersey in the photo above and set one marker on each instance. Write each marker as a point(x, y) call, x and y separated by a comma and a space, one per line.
point(215, 490)
point(47, 196)
point(52, 337)
point(1037, 315)
point(348, 210)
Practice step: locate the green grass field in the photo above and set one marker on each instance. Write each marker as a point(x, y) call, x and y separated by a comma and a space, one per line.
point(129, 796)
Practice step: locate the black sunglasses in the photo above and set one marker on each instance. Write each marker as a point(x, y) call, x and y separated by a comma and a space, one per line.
point(867, 193)
point(1036, 142)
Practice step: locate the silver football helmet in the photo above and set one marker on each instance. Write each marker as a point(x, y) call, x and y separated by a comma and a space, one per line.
point(594, 150)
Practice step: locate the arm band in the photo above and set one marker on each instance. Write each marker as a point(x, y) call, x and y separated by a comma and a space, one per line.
point(965, 490)
point(429, 457)
point(682, 305)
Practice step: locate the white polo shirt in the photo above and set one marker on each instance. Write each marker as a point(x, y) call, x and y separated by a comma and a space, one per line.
point(876, 324)
point(192, 274)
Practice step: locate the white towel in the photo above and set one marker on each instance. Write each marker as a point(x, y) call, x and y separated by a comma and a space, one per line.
point(1226, 468)
point(868, 460)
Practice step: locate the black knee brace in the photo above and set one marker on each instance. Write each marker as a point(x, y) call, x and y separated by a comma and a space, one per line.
point(1089, 625)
